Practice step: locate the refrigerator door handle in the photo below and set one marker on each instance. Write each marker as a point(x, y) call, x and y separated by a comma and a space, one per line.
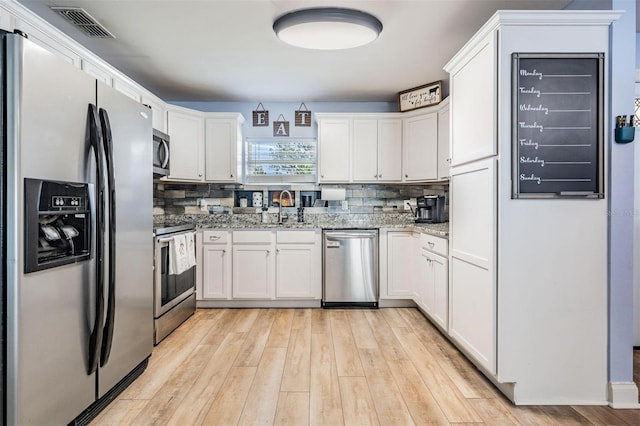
point(107, 335)
point(95, 137)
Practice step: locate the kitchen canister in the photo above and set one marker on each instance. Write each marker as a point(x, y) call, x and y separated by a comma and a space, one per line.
point(243, 201)
point(257, 199)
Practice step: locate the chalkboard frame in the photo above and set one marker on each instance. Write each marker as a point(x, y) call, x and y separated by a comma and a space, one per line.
point(597, 134)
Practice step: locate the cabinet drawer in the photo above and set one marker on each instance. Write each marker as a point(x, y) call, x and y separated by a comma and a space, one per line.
point(434, 244)
point(295, 236)
point(215, 237)
point(252, 237)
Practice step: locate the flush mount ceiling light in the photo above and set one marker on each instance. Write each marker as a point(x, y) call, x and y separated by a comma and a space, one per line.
point(327, 28)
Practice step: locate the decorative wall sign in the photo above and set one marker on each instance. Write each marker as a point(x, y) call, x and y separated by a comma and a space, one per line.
point(260, 116)
point(303, 116)
point(280, 126)
point(557, 125)
point(420, 97)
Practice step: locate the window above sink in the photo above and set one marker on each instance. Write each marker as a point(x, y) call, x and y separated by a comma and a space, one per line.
point(280, 160)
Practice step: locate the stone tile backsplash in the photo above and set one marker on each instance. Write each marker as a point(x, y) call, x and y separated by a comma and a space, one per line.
point(183, 199)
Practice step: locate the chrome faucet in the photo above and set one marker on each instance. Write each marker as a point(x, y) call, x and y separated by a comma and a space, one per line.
point(280, 205)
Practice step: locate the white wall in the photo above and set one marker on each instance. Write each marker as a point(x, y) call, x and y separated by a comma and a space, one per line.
point(621, 200)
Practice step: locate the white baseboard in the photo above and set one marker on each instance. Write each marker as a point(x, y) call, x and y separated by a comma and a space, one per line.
point(302, 303)
point(623, 395)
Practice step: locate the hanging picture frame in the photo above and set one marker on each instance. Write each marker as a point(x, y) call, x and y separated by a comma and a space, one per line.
point(280, 126)
point(303, 116)
point(420, 97)
point(260, 116)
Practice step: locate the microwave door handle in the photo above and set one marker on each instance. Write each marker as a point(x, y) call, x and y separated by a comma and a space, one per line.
point(107, 334)
point(165, 158)
point(95, 138)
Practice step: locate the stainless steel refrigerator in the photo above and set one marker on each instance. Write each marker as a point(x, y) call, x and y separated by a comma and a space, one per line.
point(76, 238)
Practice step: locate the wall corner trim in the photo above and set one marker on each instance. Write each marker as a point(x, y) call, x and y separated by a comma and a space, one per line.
point(623, 395)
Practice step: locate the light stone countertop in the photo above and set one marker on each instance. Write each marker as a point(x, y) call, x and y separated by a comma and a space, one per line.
point(253, 222)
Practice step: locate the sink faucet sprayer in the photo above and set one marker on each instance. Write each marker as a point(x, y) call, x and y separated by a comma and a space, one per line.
point(280, 205)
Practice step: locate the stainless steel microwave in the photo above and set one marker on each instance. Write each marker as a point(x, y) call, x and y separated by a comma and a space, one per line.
point(160, 154)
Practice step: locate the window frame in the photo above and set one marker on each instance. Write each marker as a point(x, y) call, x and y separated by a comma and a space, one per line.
point(283, 178)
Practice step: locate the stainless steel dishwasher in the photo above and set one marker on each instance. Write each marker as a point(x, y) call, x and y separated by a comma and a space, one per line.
point(350, 268)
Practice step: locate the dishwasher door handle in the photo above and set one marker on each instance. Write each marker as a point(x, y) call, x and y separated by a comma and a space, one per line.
point(333, 244)
point(349, 235)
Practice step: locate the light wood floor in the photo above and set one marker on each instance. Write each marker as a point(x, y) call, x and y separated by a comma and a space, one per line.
point(314, 366)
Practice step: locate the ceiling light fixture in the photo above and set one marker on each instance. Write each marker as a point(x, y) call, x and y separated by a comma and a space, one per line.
point(327, 28)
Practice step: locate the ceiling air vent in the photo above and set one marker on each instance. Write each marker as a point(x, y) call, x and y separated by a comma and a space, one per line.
point(85, 22)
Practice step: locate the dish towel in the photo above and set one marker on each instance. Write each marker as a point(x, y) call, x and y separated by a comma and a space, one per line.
point(178, 257)
point(191, 247)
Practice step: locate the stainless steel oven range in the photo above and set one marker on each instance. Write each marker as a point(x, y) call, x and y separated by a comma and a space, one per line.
point(174, 294)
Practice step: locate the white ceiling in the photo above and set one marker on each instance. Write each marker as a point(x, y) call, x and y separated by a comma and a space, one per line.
point(225, 50)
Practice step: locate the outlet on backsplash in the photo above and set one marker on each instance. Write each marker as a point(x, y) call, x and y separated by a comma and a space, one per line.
point(205, 203)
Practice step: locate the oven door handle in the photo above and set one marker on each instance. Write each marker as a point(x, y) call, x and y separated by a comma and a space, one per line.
point(164, 240)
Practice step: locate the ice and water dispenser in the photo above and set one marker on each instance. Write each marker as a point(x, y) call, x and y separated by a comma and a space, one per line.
point(57, 223)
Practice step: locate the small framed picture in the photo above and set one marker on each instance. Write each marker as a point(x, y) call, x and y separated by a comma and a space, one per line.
point(420, 97)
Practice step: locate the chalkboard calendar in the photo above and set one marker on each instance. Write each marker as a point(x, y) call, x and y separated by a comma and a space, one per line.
point(557, 125)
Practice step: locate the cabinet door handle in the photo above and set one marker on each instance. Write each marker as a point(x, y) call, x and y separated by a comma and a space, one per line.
point(406, 176)
point(431, 245)
point(231, 175)
point(277, 251)
point(322, 176)
point(214, 237)
point(224, 252)
point(268, 252)
point(199, 174)
point(380, 175)
point(448, 160)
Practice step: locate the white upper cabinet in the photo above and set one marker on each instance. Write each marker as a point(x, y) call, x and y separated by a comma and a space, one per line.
point(444, 157)
point(420, 134)
point(365, 150)
point(377, 150)
point(223, 147)
point(334, 150)
point(49, 43)
point(390, 150)
point(127, 89)
point(159, 111)
point(473, 86)
point(186, 130)
point(98, 72)
point(360, 147)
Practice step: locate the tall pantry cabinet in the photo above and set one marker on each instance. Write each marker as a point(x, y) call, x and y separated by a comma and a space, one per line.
point(528, 277)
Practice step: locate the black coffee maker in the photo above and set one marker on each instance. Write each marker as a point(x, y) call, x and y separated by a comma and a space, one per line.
point(430, 209)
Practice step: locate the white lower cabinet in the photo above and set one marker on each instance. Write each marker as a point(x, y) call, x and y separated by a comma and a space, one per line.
point(260, 265)
point(253, 265)
point(432, 288)
point(216, 265)
point(432, 285)
point(399, 259)
point(298, 265)
point(473, 215)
